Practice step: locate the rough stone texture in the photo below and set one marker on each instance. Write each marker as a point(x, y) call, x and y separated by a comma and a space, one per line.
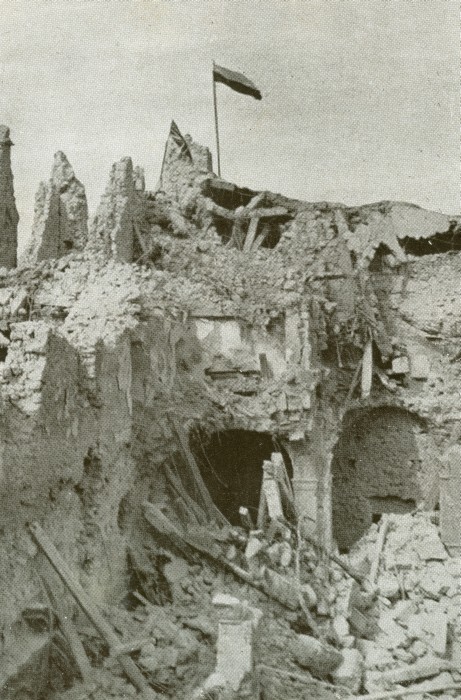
point(450, 498)
point(379, 466)
point(103, 353)
point(9, 217)
point(113, 228)
point(61, 215)
point(185, 165)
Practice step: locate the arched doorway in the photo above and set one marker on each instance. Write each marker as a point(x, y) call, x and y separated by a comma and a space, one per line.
point(231, 462)
point(376, 469)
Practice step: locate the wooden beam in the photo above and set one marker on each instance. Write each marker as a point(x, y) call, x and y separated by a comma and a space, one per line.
point(212, 509)
point(66, 574)
point(251, 234)
point(66, 624)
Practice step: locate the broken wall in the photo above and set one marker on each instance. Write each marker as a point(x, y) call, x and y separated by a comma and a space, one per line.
point(105, 355)
point(9, 216)
point(381, 464)
point(61, 215)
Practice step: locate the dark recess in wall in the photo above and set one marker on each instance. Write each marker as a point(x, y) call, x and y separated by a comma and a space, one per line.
point(375, 470)
point(231, 465)
point(440, 243)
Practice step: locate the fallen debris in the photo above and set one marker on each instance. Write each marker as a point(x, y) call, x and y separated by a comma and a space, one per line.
point(89, 608)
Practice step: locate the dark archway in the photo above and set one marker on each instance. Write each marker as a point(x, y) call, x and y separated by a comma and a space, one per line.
point(376, 469)
point(231, 462)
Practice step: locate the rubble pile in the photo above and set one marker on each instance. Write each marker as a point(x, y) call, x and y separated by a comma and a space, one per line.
point(418, 609)
point(205, 391)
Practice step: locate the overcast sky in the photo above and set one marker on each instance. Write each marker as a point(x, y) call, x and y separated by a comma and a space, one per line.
point(360, 97)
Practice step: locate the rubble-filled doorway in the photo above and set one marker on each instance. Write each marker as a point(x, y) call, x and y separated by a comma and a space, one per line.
point(376, 468)
point(231, 462)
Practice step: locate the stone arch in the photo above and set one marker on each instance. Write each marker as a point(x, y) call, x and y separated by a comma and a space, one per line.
point(377, 467)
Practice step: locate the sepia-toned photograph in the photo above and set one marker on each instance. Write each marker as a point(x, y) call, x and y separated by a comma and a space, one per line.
point(230, 350)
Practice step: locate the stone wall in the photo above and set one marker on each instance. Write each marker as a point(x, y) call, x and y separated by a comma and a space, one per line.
point(61, 215)
point(113, 229)
point(8, 213)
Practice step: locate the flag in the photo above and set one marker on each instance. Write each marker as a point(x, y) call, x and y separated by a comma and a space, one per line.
point(179, 140)
point(236, 81)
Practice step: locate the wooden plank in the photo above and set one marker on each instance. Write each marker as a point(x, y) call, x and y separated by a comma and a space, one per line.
point(367, 369)
point(212, 509)
point(251, 234)
point(192, 506)
point(67, 626)
point(271, 492)
point(401, 692)
point(262, 510)
point(378, 549)
point(66, 574)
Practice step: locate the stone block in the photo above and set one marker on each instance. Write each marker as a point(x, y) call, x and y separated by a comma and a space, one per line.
point(400, 365)
point(450, 500)
point(340, 626)
point(388, 585)
point(374, 656)
point(254, 546)
point(349, 672)
point(234, 653)
point(314, 655)
point(430, 548)
point(436, 625)
point(419, 367)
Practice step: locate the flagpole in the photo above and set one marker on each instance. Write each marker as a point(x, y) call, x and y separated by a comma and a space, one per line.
point(216, 123)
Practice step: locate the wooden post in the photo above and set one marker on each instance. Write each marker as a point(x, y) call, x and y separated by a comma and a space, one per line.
point(90, 609)
point(215, 105)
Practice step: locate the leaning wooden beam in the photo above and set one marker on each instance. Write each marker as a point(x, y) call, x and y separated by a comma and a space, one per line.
point(262, 510)
point(291, 602)
point(212, 509)
point(177, 485)
point(67, 626)
point(89, 608)
point(345, 567)
point(251, 235)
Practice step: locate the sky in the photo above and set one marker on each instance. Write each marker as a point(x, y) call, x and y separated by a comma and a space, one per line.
point(360, 97)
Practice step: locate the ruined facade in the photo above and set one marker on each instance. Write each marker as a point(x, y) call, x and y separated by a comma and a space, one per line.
point(323, 332)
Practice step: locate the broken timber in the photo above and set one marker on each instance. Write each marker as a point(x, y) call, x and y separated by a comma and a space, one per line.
point(90, 609)
point(213, 511)
point(400, 692)
point(67, 627)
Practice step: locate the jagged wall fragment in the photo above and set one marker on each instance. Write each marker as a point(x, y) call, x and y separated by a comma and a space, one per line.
point(9, 217)
point(184, 163)
point(113, 229)
point(61, 215)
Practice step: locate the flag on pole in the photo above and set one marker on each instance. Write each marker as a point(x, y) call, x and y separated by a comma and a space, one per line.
point(236, 81)
point(179, 140)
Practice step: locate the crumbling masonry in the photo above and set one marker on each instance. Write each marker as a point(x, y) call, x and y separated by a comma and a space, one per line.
point(208, 322)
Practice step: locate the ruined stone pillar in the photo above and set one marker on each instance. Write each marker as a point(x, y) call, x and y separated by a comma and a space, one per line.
point(9, 217)
point(61, 215)
point(450, 500)
point(235, 673)
point(305, 484)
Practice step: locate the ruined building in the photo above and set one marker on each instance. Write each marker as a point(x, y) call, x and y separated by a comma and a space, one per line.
point(208, 324)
